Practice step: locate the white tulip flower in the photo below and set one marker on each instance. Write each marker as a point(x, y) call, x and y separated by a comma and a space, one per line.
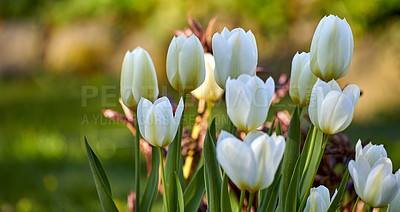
point(209, 90)
point(185, 63)
point(248, 100)
point(157, 124)
point(301, 79)
point(330, 109)
point(235, 53)
point(250, 164)
point(319, 199)
point(372, 175)
point(331, 48)
point(138, 78)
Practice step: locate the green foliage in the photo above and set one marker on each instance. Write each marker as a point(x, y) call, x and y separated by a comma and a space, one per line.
point(292, 152)
point(150, 192)
point(101, 181)
point(212, 172)
point(195, 190)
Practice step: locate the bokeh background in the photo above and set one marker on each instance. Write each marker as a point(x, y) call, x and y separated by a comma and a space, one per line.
point(60, 63)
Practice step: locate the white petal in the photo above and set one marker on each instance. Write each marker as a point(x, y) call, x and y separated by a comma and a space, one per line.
point(237, 103)
point(353, 91)
point(237, 161)
point(222, 51)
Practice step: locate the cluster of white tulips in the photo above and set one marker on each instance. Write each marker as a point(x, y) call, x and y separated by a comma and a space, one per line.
point(263, 163)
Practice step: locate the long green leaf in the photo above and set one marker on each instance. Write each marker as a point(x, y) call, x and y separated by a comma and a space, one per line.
point(306, 178)
point(338, 198)
point(181, 204)
point(150, 192)
point(170, 182)
point(271, 129)
point(291, 197)
point(212, 173)
point(308, 147)
point(100, 179)
point(292, 152)
point(195, 191)
point(225, 201)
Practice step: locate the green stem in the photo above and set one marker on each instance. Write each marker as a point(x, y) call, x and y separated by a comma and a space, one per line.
point(163, 179)
point(209, 109)
point(310, 150)
point(250, 201)
point(242, 193)
point(355, 204)
point(137, 166)
point(303, 202)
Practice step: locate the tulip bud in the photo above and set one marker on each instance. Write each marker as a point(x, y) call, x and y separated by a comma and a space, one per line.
point(157, 124)
point(138, 78)
point(372, 175)
point(209, 90)
point(330, 109)
point(331, 48)
point(235, 53)
point(319, 200)
point(247, 101)
point(250, 164)
point(185, 63)
point(301, 79)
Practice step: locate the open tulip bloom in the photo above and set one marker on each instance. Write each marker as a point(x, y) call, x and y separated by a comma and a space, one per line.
point(372, 175)
point(235, 53)
point(250, 164)
point(157, 124)
point(331, 109)
point(248, 100)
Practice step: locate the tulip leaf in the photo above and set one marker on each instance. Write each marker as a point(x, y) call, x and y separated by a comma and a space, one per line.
point(225, 201)
point(150, 192)
point(195, 191)
point(212, 173)
point(278, 129)
point(307, 148)
point(270, 194)
point(338, 198)
point(309, 172)
point(100, 179)
point(291, 197)
point(292, 152)
point(170, 182)
point(181, 204)
point(271, 129)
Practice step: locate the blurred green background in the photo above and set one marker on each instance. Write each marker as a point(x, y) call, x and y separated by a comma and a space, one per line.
point(60, 63)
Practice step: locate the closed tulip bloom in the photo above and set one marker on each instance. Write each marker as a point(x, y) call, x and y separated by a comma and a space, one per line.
point(247, 101)
point(331, 109)
point(235, 53)
point(319, 199)
point(209, 90)
point(372, 175)
point(331, 48)
point(138, 78)
point(394, 205)
point(185, 63)
point(157, 124)
point(301, 79)
point(250, 164)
